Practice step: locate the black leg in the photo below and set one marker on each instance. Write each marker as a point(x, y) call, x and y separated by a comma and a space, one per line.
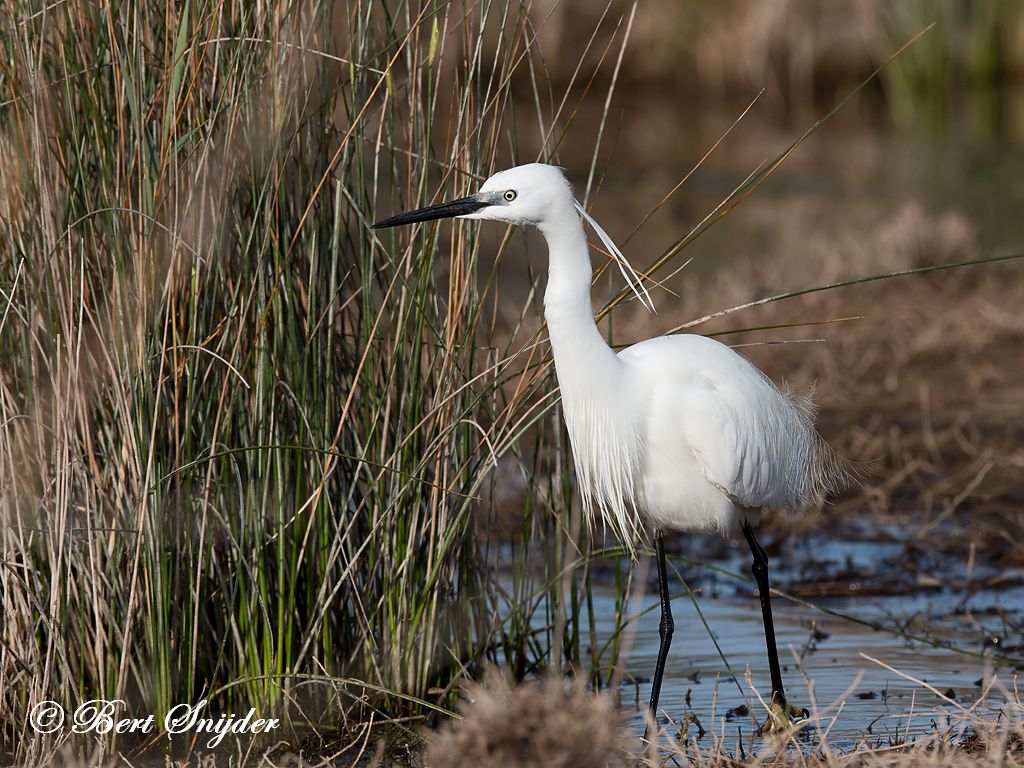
point(665, 629)
point(760, 571)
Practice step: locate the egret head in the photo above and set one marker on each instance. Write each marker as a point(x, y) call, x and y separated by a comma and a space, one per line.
point(536, 194)
point(526, 194)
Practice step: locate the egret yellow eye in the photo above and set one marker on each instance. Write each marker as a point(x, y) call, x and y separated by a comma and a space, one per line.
point(510, 195)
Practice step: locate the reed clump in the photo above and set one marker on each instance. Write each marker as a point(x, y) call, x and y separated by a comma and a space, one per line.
point(242, 439)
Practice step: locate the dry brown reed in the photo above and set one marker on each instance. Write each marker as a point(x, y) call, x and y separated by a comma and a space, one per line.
point(244, 439)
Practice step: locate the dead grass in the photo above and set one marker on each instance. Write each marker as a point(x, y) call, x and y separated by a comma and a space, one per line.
point(555, 723)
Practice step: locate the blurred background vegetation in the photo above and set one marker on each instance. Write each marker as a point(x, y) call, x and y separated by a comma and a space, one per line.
point(251, 453)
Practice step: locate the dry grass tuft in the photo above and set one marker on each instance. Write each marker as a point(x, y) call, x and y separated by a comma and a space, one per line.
point(552, 723)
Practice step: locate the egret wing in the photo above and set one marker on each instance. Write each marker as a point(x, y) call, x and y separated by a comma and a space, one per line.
point(746, 437)
point(749, 439)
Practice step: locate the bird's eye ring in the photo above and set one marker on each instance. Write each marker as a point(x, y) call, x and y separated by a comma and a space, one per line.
point(509, 196)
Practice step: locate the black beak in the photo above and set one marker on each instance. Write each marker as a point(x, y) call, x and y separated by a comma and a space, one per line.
point(460, 207)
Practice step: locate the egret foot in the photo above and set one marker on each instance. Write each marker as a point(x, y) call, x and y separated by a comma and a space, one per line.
point(783, 717)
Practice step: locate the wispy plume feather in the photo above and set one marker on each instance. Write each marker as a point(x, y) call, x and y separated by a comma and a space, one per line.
point(633, 280)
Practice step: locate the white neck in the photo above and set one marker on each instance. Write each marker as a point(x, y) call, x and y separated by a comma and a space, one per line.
point(576, 342)
point(605, 447)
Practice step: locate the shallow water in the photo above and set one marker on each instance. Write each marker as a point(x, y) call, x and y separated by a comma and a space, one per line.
point(856, 698)
point(824, 655)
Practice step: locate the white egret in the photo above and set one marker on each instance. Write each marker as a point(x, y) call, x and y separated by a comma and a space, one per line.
point(676, 433)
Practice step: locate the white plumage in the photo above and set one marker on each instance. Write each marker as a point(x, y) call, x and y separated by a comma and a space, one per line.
point(718, 437)
point(676, 433)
